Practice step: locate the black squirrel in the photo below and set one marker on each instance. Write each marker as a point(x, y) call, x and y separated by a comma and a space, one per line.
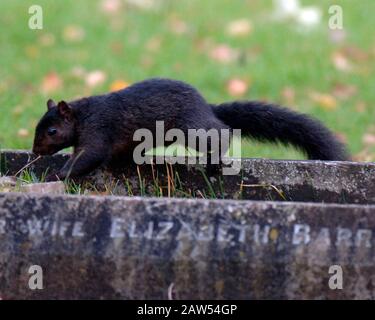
point(102, 127)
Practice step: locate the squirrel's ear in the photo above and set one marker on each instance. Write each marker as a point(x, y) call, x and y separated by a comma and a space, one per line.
point(50, 104)
point(65, 110)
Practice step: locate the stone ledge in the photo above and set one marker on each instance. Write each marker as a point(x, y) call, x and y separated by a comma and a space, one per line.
point(135, 248)
point(308, 181)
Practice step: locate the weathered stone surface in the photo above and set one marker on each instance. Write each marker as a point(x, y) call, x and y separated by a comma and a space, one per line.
point(312, 181)
point(8, 181)
point(44, 188)
point(7, 184)
point(13, 160)
point(131, 248)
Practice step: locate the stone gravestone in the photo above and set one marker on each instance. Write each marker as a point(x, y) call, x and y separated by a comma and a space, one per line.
point(133, 248)
point(155, 248)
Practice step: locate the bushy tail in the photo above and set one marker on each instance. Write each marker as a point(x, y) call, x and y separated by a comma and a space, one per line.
point(267, 122)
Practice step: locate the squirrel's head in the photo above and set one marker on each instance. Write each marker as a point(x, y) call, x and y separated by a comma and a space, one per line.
point(55, 131)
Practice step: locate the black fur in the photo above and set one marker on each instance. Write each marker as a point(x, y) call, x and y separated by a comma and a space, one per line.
point(101, 127)
point(268, 122)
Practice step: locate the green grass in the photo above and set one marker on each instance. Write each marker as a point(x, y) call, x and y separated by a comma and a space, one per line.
point(168, 185)
point(28, 176)
point(276, 56)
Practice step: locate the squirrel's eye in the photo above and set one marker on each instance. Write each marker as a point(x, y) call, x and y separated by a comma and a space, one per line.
point(51, 131)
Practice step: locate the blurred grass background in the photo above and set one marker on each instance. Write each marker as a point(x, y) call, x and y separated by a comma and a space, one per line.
point(90, 47)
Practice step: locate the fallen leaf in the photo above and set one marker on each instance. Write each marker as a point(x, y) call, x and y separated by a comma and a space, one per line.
point(117, 47)
point(364, 156)
point(237, 87)
point(342, 137)
point(178, 26)
point(47, 39)
point(32, 51)
point(78, 72)
point(369, 139)
point(23, 133)
point(111, 6)
point(360, 106)
point(177, 67)
point(95, 78)
point(203, 44)
point(51, 82)
point(18, 110)
point(117, 23)
point(147, 61)
point(341, 62)
point(325, 101)
point(73, 33)
point(239, 28)
point(153, 44)
point(355, 53)
point(289, 95)
point(118, 85)
point(344, 91)
point(337, 35)
point(224, 54)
